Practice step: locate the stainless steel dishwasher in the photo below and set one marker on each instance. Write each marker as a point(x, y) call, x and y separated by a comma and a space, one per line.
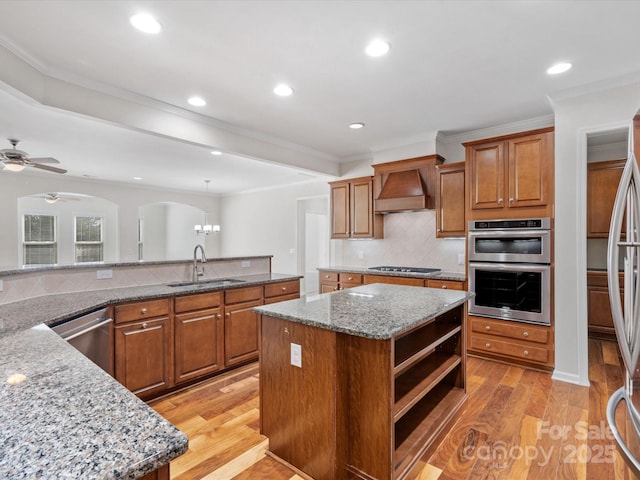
point(92, 335)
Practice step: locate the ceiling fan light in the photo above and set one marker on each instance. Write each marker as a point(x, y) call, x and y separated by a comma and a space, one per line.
point(51, 199)
point(13, 166)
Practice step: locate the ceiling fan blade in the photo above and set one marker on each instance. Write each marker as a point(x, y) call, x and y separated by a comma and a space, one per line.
point(43, 160)
point(47, 167)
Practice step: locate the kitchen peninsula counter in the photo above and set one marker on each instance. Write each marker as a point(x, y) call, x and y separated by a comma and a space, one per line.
point(362, 383)
point(68, 418)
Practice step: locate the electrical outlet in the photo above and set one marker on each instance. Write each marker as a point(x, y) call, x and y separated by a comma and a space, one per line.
point(461, 259)
point(246, 263)
point(104, 274)
point(360, 255)
point(296, 355)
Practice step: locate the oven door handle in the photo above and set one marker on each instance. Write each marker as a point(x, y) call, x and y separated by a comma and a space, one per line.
point(516, 267)
point(509, 233)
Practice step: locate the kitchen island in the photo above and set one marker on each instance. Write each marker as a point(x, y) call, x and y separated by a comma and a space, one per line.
point(361, 383)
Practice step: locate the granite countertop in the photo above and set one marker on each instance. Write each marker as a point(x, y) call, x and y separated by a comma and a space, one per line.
point(378, 311)
point(68, 418)
point(455, 276)
point(52, 309)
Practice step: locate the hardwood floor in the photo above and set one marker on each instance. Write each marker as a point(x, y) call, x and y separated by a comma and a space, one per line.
point(518, 424)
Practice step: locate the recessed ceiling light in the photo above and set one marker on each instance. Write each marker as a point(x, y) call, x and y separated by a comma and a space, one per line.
point(558, 68)
point(197, 101)
point(216, 152)
point(377, 48)
point(356, 125)
point(137, 178)
point(145, 23)
point(283, 90)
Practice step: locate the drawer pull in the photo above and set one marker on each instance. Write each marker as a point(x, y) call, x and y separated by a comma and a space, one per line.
point(444, 286)
point(525, 353)
point(143, 310)
point(525, 334)
point(284, 289)
point(227, 314)
point(488, 345)
point(327, 276)
point(145, 325)
point(218, 316)
point(350, 278)
point(487, 327)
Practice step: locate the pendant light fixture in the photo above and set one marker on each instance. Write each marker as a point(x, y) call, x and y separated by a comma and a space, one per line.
point(206, 228)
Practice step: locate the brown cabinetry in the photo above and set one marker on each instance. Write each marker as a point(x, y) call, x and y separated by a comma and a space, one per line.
point(450, 216)
point(334, 281)
point(602, 185)
point(531, 345)
point(599, 315)
point(199, 335)
point(352, 209)
point(241, 325)
point(279, 292)
point(445, 284)
point(414, 282)
point(511, 176)
point(144, 347)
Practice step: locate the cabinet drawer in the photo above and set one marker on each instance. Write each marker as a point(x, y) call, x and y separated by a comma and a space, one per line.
point(415, 282)
point(328, 276)
point(446, 284)
point(241, 295)
point(281, 298)
point(518, 330)
point(512, 349)
point(281, 288)
point(141, 310)
point(199, 301)
point(350, 278)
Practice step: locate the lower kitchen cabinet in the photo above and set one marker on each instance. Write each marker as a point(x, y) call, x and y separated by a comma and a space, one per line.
point(414, 282)
point(514, 342)
point(282, 291)
point(241, 325)
point(445, 284)
point(199, 336)
point(333, 281)
point(144, 347)
point(599, 315)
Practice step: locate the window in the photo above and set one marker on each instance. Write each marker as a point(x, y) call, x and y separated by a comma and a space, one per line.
point(39, 240)
point(89, 246)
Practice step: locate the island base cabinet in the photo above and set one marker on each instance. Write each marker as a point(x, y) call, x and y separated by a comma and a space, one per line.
point(160, 474)
point(338, 406)
point(296, 400)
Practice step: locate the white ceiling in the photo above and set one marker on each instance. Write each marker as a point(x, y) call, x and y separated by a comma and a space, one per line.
point(454, 66)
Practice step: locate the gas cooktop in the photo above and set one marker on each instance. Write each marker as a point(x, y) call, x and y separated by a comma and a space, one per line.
point(405, 269)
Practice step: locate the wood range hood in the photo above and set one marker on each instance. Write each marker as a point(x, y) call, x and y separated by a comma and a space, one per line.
point(405, 185)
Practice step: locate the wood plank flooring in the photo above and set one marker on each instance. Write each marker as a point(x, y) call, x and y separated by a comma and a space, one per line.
point(518, 424)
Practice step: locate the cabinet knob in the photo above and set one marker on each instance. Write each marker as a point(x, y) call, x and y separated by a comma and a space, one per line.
point(500, 200)
point(511, 200)
point(143, 310)
point(526, 352)
point(488, 345)
point(443, 286)
point(327, 276)
point(350, 278)
point(487, 327)
point(335, 289)
point(145, 325)
point(284, 289)
point(218, 316)
point(525, 334)
point(227, 314)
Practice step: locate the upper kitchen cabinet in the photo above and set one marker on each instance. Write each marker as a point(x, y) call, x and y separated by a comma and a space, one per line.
point(352, 209)
point(602, 185)
point(450, 217)
point(511, 176)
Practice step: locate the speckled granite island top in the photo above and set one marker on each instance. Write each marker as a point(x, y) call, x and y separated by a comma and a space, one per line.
point(70, 420)
point(378, 311)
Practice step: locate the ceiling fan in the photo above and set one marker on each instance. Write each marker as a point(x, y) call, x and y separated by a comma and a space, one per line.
point(16, 160)
point(54, 197)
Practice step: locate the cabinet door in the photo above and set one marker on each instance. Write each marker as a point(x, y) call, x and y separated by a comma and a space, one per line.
point(603, 179)
point(450, 200)
point(144, 356)
point(340, 210)
point(198, 344)
point(362, 209)
point(240, 333)
point(487, 172)
point(528, 171)
point(327, 287)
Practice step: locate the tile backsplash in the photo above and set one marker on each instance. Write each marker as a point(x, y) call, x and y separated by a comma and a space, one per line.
point(409, 240)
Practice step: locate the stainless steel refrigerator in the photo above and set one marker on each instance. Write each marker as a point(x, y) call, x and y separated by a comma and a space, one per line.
point(624, 247)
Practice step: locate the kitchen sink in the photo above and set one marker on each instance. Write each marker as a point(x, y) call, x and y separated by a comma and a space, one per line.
point(215, 282)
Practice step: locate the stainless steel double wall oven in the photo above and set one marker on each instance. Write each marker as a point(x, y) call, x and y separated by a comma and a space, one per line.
point(510, 269)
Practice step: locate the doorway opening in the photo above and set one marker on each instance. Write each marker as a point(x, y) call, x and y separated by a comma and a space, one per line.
point(313, 241)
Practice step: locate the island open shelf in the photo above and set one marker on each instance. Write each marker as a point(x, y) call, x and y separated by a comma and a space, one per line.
point(338, 404)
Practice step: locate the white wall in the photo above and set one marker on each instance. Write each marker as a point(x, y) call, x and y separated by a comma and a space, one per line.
point(127, 197)
point(264, 223)
point(575, 117)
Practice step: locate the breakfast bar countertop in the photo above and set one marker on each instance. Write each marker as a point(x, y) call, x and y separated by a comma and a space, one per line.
point(378, 311)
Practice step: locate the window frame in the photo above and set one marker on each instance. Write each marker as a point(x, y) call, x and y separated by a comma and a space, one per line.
point(77, 243)
point(26, 243)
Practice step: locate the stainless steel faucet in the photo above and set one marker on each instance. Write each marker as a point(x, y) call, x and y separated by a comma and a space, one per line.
point(198, 273)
